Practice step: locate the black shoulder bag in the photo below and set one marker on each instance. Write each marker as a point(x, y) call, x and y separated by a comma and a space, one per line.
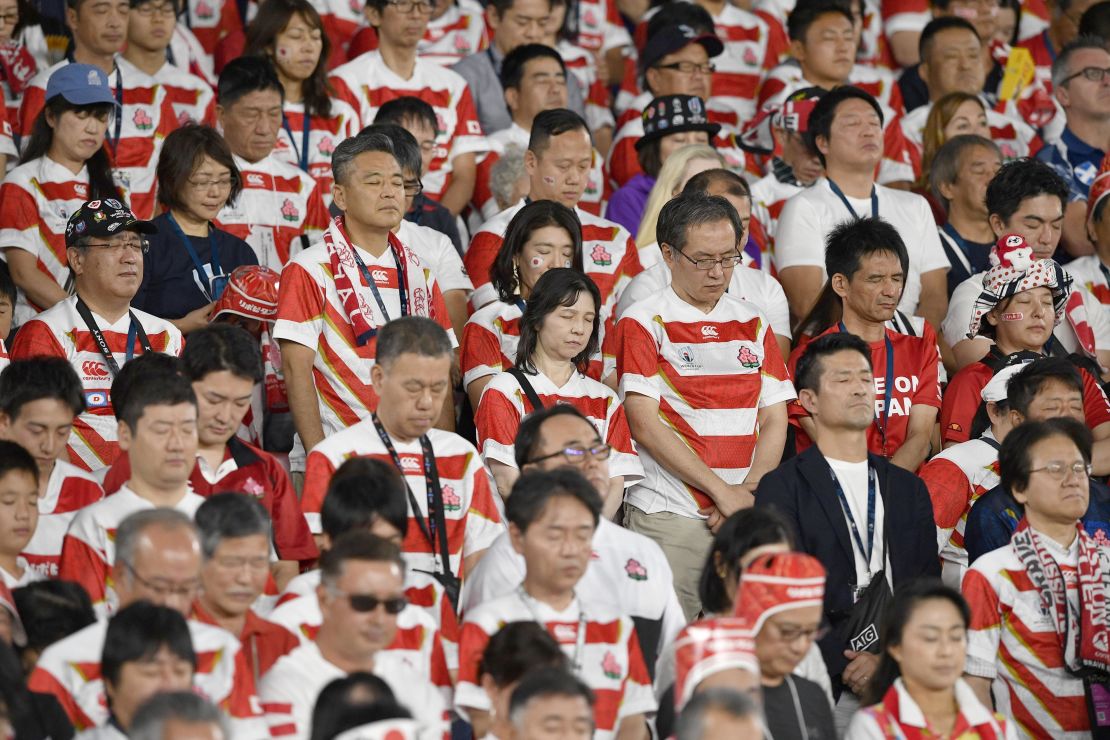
point(526, 386)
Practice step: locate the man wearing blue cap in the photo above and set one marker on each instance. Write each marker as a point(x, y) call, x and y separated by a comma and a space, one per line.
point(146, 114)
point(96, 329)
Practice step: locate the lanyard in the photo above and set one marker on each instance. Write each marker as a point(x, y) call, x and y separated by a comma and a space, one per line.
point(135, 331)
point(844, 199)
point(402, 287)
point(431, 483)
point(213, 255)
point(884, 419)
point(579, 637)
point(302, 153)
point(865, 551)
point(118, 112)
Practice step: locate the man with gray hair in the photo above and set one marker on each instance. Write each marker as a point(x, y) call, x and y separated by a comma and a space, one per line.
point(701, 461)
point(1080, 81)
point(179, 715)
point(958, 180)
point(158, 559)
point(452, 516)
point(235, 539)
point(551, 701)
point(719, 714)
point(336, 295)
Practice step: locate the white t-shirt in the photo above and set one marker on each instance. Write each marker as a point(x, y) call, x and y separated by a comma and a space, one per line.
point(436, 250)
point(853, 481)
point(809, 216)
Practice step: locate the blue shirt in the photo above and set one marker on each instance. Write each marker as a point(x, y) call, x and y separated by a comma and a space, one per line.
point(1076, 161)
point(171, 286)
point(995, 515)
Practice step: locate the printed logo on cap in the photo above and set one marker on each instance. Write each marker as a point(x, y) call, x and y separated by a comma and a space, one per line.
point(94, 78)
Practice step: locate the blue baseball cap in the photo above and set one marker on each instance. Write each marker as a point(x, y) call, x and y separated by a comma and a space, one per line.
point(80, 84)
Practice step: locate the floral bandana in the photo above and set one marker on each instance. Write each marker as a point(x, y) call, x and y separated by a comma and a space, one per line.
point(1013, 270)
point(1086, 634)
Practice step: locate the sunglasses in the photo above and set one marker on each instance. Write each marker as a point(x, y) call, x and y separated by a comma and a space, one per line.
point(369, 602)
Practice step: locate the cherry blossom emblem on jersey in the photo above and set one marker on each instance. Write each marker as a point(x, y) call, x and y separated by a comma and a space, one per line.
point(748, 358)
point(635, 570)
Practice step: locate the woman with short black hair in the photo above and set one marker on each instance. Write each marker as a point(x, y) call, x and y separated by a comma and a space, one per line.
point(189, 262)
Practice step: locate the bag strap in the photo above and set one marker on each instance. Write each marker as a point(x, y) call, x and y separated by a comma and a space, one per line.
point(526, 386)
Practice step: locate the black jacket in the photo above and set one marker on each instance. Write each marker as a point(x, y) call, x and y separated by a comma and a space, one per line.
point(802, 490)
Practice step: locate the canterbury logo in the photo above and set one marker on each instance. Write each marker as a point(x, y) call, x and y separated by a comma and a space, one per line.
point(94, 369)
point(255, 179)
point(410, 463)
point(709, 331)
point(380, 276)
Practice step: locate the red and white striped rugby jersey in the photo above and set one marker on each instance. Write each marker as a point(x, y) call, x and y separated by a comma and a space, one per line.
point(418, 643)
point(753, 46)
point(503, 405)
point(186, 53)
point(1014, 137)
point(1012, 640)
point(459, 32)
point(324, 135)
point(956, 477)
point(60, 332)
point(311, 313)
point(146, 119)
point(769, 195)
point(366, 83)
point(279, 204)
point(289, 692)
point(611, 662)
point(880, 83)
point(68, 490)
point(473, 522)
point(89, 548)
point(609, 256)
point(1088, 271)
point(342, 21)
point(582, 64)
point(600, 27)
point(70, 670)
point(423, 592)
point(36, 200)
point(211, 21)
point(711, 373)
point(191, 96)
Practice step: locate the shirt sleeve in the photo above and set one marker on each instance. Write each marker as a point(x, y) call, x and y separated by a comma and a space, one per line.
point(468, 136)
point(961, 400)
point(480, 257)
point(928, 239)
point(776, 380)
point(637, 359)
point(317, 475)
point(639, 697)
point(468, 691)
point(949, 490)
point(21, 219)
point(928, 388)
point(483, 522)
point(292, 537)
point(84, 558)
point(984, 634)
point(481, 352)
point(625, 462)
point(497, 421)
point(300, 315)
point(35, 339)
point(800, 241)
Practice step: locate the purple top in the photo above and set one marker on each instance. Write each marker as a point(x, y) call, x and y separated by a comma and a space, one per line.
point(626, 206)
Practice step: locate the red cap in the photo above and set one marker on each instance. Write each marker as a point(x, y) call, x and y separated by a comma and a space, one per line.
point(251, 292)
point(1100, 188)
point(775, 583)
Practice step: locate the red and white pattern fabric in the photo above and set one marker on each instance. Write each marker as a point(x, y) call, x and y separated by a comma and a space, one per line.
point(916, 360)
point(582, 64)
point(1014, 137)
point(89, 549)
point(342, 19)
point(769, 195)
point(489, 341)
point(60, 332)
point(610, 662)
point(68, 490)
point(211, 21)
point(146, 119)
point(70, 671)
point(187, 53)
point(600, 27)
point(711, 373)
point(36, 200)
point(1088, 272)
point(311, 313)
point(609, 256)
point(289, 692)
point(324, 135)
point(504, 404)
point(898, 715)
point(262, 641)
point(366, 83)
point(473, 522)
point(191, 96)
point(459, 32)
point(753, 47)
point(280, 203)
point(418, 643)
point(1013, 641)
point(956, 478)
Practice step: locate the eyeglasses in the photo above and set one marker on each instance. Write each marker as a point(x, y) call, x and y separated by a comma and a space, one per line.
point(407, 6)
point(793, 634)
point(149, 10)
point(1094, 74)
point(689, 68)
point(132, 245)
point(6, 18)
point(1059, 471)
point(203, 186)
point(708, 263)
point(577, 455)
point(163, 590)
point(413, 188)
point(368, 602)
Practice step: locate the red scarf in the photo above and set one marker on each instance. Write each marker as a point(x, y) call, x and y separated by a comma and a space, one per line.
point(1086, 633)
point(361, 314)
point(17, 66)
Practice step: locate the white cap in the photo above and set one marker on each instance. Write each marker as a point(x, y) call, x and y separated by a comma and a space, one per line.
point(995, 389)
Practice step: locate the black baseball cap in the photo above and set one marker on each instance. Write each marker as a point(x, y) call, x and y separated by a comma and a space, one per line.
point(673, 114)
point(104, 218)
point(671, 39)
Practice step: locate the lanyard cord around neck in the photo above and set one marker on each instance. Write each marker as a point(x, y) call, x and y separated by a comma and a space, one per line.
point(579, 638)
point(213, 255)
point(402, 284)
point(844, 199)
point(867, 551)
point(302, 152)
point(135, 332)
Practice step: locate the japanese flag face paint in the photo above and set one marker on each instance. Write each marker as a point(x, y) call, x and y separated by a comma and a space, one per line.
point(1013, 316)
point(548, 180)
point(535, 262)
